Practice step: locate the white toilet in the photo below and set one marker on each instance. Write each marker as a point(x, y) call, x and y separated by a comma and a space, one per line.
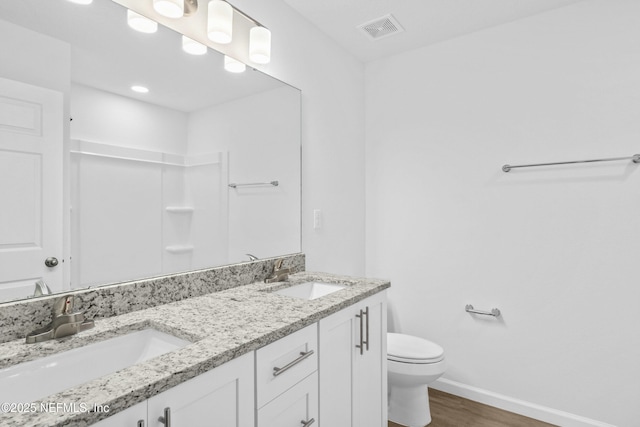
point(413, 363)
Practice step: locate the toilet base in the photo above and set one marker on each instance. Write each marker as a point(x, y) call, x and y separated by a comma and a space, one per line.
point(409, 406)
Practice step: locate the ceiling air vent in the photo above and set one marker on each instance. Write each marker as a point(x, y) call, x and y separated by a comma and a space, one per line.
point(381, 27)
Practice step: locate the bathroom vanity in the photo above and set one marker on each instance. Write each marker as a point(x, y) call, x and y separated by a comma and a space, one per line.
point(255, 358)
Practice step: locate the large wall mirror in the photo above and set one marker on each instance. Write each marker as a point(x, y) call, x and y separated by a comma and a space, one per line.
point(117, 185)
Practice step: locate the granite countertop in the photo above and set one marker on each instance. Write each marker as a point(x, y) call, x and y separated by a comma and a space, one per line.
point(221, 326)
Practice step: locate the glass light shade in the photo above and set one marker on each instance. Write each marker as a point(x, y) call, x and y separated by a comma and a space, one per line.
point(141, 23)
point(169, 8)
point(193, 47)
point(233, 65)
point(220, 21)
point(260, 45)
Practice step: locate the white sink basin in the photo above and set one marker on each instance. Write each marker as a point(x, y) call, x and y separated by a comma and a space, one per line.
point(310, 290)
point(39, 378)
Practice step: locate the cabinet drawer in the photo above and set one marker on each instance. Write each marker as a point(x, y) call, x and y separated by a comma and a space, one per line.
point(282, 364)
point(293, 408)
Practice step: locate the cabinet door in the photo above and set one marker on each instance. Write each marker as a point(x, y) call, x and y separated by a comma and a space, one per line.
point(222, 397)
point(130, 417)
point(353, 383)
point(296, 407)
point(370, 368)
point(337, 345)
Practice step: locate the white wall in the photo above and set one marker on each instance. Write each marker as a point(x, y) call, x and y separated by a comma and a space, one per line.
point(108, 118)
point(260, 136)
point(555, 249)
point(119, 226)
point(332, 87)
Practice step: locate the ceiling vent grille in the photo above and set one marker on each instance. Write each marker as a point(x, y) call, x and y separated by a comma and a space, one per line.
point(381, 27)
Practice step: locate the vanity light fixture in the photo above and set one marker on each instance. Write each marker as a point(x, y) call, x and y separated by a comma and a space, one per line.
point(193, 47)
point(233, 65)
point(220, 21)
point(141, 23)
point(169, 8)
point(139, 89)
point(260, 45)
point(219, 16)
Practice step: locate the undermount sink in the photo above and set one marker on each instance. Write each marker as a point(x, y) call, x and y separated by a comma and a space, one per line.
point(33, 380)
point(310, 290)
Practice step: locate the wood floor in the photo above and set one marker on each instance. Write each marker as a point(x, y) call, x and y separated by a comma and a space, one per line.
point(448, 410)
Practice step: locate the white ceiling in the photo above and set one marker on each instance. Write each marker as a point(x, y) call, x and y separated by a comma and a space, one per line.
point(424, 21)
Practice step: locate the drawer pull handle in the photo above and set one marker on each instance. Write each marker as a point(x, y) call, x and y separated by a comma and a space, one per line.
point(303, 355)
point(166, 420)
point(307, 423)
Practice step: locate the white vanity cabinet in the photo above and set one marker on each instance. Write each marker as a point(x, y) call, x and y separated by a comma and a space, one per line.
point(287, 380)
point(353, 374)
point(222, 397)
point(329, 374)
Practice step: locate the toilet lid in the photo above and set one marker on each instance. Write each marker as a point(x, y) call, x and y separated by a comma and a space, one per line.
point(410, 349)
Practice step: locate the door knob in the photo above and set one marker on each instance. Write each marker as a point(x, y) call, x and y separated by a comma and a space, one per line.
point(51, 261)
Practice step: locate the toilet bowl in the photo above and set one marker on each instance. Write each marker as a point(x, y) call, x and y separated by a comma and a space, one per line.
point(413, 363)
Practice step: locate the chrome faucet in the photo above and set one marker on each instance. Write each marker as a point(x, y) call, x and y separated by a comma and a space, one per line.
point(279, 274)
point(65, 321)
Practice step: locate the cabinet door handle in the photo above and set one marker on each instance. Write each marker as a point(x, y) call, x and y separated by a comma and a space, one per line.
point(166, 420)
point(141, 423)
point(307, 423)
point(361, 345)
point(303, 355)
point(366, 313)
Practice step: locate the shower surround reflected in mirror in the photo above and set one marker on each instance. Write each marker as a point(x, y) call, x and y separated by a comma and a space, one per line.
point(145, 184)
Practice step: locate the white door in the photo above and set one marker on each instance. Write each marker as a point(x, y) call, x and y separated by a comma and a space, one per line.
point(31, 148)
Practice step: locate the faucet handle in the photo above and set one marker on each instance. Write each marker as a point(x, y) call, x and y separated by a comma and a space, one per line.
point(278, 264)
point(63, 305)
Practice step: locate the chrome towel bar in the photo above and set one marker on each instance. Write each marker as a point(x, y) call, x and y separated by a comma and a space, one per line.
point(635, 158)
point(494, 311)
point(254, 184)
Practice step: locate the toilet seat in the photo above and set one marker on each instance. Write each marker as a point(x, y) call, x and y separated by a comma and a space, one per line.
point(409, 349)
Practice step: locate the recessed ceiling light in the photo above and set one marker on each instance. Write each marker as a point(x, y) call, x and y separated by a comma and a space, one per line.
point(81, 1)
point(139, 89)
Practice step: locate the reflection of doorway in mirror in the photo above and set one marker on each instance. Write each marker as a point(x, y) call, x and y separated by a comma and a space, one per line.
point(31, 135)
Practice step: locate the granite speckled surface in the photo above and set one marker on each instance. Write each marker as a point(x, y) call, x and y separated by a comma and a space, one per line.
point(222, 325)
point(18, 318)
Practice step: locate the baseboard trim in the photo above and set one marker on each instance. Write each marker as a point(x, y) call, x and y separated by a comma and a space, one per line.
point(521, 407)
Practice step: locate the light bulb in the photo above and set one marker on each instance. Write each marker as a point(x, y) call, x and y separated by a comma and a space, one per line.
point(220, 22)
point(169, 8)
point(141, 23)
point(193, 47)
point(233, 65)
point(260, 45)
